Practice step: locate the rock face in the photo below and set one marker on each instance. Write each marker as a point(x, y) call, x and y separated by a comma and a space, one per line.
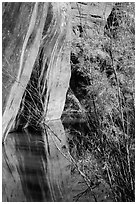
point(88, 22)
point(36, 57)
point(86, 15)
point(36, 75)
point(36, 70)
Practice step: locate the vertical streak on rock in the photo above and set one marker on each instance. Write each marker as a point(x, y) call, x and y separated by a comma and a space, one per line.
point(58, 72)
point(46, 45)
point(30, 29)
point(27, 61)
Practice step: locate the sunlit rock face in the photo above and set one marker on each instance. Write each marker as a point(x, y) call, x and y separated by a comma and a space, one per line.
point(36, 71)
point(87, 15)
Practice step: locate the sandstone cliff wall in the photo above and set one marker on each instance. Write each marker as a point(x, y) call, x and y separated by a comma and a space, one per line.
point(36, 38)
point(36, 57)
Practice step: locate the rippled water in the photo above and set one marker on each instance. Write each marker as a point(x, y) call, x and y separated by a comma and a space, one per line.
point(37, 167)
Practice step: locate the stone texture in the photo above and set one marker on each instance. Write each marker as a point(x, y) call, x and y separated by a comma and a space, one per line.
point(36, 57)
point(35, 32)
point(58, 72)
point(89, 14)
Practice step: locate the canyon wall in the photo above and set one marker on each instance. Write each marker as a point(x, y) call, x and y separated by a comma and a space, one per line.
point(35, 77)
point(36, 57)
point(36, 70)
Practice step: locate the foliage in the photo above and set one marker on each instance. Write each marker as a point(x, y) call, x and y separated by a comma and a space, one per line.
point(107, 61)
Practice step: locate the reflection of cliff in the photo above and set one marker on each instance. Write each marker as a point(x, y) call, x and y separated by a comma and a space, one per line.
point(58, 161)
point(38, 169)
point(36, 69)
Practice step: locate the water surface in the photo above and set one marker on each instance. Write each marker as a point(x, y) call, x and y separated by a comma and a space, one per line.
point(38, 167)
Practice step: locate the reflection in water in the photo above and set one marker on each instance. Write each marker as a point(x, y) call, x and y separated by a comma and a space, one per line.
point(35, 167)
